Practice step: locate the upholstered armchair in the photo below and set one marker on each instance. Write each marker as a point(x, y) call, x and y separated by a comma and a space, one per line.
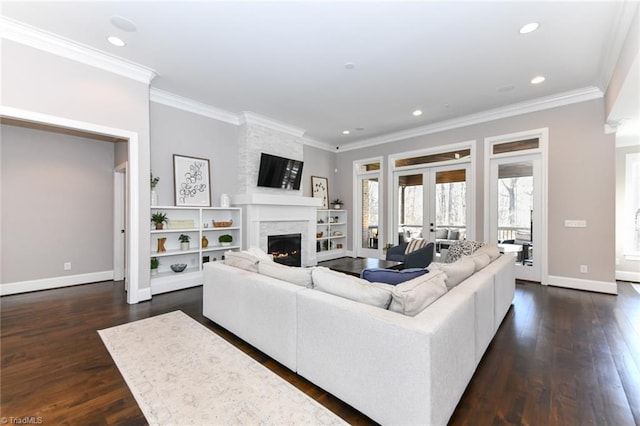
point(419, 258)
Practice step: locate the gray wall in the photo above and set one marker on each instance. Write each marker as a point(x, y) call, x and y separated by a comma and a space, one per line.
point(318, 162)
point(37, 81)
point(175, 131)
point(57, 204)
point(581, 181)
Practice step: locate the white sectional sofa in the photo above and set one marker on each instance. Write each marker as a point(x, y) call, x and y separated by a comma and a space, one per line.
point(396, 369)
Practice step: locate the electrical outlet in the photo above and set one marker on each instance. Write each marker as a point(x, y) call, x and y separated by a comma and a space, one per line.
point(67, 266)
point(584, 269)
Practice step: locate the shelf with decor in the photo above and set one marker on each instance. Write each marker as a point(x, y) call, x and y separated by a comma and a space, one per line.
point(331, 234)
point(202, 227)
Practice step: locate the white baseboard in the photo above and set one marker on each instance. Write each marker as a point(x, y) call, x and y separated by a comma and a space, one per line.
point(56, 282)
point(144, 294)
point(587, 285)
point(628, 276)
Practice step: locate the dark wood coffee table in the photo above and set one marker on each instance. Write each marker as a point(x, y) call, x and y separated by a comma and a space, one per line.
point(355, 265)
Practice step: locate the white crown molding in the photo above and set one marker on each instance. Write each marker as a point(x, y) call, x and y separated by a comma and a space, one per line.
point(547, 102)
point(318, 144)
point(24, 34)
point(615, 41)
point(248, 117)
point(187, 104)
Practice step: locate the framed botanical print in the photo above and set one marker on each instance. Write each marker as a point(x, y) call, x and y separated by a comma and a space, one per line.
point(320, 189)
point(191, 181)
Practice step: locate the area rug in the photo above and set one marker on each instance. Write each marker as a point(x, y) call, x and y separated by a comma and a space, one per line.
point(181, 373)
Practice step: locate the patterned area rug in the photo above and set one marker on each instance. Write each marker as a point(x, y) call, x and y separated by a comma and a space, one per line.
point(182, 373)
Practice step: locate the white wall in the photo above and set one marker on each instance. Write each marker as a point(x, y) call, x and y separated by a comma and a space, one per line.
point(581, 181)
point(57, 204)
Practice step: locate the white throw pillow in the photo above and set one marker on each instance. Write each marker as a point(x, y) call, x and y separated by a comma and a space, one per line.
point(455, 272)
point(260, 254)
point(352, 288)
point(291, 274)
point(241, 260)
point(491, 249)
point(413, 296)
point(480, 259)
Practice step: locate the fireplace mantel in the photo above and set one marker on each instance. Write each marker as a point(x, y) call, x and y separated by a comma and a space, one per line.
point(274, 214)
point(276, 200)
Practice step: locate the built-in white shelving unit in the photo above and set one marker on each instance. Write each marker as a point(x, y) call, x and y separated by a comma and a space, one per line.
point(196, 222)
point(331, 234)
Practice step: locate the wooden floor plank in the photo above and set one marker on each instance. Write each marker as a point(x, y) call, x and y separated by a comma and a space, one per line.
point(560, 357)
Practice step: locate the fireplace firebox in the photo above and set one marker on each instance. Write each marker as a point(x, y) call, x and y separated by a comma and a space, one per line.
point(286, 249)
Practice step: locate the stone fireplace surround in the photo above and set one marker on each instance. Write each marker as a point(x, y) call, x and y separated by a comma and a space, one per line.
point(272, 211)
point(267, 214)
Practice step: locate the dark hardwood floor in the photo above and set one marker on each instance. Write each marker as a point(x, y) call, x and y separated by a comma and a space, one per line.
point(561, 357)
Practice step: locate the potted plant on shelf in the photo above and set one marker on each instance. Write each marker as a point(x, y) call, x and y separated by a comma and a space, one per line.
point(337, 204)
point(159, 219)
point(225, 239)
point(154, 265)
point(184, 241)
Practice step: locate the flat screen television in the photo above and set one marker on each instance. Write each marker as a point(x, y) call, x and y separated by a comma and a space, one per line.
point(279, 172)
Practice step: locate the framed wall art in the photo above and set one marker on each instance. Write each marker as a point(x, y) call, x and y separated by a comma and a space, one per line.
point(191, 181)
point(320, 189)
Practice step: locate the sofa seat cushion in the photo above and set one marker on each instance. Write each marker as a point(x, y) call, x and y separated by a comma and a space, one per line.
point(291, 274)
point(353, 288)
point(391, 276)
point(413, 296)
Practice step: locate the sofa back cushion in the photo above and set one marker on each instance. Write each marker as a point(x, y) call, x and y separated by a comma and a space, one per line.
point(480, 259)
point(353, 288)
point(491, 249)
point(413, 296)
point(456, 272)
point(242, 260)
point(291, 274)
point(391, 276)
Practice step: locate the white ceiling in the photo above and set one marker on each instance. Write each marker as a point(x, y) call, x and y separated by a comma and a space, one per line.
point(286, 60)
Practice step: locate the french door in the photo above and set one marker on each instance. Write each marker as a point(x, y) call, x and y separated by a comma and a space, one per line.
point(431, 201)
point(368, 208)
point(515, 202)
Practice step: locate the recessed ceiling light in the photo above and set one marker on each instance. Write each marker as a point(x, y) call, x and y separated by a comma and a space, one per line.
point(349, 65)
point(116, 41)
point(345, 132)
point(529, 28)
point(537, 80)
point(123, 23)
point(417, 113)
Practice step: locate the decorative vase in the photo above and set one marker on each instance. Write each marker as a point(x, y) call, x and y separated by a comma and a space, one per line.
point(161, 245)
point(154, 197)
point(337, 206)
point(154, 271)
point(224, 201)
point(205, 242)
point(184, 246)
